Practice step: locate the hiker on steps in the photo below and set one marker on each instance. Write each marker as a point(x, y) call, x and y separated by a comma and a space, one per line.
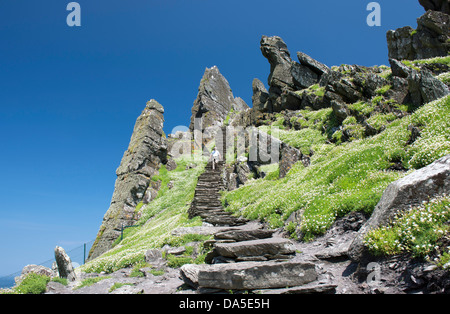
point(215, 157)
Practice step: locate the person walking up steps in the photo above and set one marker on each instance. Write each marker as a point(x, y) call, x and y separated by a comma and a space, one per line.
point(215, 157)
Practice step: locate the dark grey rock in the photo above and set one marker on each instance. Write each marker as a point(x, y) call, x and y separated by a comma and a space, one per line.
point(340, 110)
point(65, 268)
point(428, 41)
point(424, 87)
point(277, 53)
point(436, 5)
point(214, 100)
point(260, 95)
point(263, 247)
point(240, 235)
point(318, 67)
point(303, 76)
point(249, 275)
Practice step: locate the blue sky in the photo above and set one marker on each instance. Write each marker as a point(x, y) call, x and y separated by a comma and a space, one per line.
point(69, 97)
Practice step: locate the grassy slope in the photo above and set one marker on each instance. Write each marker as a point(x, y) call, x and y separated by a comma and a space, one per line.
point(347, 177)
point(166, 213)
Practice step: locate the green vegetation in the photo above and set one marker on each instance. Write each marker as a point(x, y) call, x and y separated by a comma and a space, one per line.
point(117, 285)
point(62, 281)
point(415, 231)
point(164, 214)
point(90, 281)
point(32, 284)
point(347, 177)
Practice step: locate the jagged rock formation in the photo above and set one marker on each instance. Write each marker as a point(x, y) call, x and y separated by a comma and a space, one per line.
point(145, 154)
point(286, 76)
point(214, 101)
point(436, 5)
point(64, 263)
point(430, 39)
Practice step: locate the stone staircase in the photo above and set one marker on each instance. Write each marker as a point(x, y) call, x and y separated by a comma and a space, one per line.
point(207, 199)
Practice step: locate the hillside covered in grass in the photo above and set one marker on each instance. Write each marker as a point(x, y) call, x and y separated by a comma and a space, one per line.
point(343, 176)
point(158, 219)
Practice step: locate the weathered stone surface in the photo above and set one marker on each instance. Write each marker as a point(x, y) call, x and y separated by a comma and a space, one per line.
point(155, 258)
point(260, 95)
point(249, 275)
point(428, 41)
point(65, 268)
point(340, 110)
point(214, 100)
point(262, 247)
point(411, 190)
point(316, 66)
point(240, 104)
point(145, 154)
point(240, 235)
point(289, 157)
point(424, 87)
point(303, 76)
point(277, 53)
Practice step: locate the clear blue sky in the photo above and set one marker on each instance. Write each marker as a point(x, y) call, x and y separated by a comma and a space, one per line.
point(69, 97)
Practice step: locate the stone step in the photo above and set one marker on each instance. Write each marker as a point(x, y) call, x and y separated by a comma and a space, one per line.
point(249, 275)
point(240, 235)
point(261, 247)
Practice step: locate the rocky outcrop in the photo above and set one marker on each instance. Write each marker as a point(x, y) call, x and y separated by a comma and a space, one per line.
point(276, 52)
point(214, 101)
point(407, 192)
point(145, 154)
point(65, 268)
point(286, 76)
point(430, 39)
point(436, 5)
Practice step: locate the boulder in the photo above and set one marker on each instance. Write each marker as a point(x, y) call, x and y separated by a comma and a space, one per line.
point(411, 190)
point(424, 87)
point(249, 275)
point(428, 41)
point(65, 268)
point(34, 269)
point(146, 152)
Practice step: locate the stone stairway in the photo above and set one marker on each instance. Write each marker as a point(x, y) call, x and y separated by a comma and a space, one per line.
point(207, 199)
